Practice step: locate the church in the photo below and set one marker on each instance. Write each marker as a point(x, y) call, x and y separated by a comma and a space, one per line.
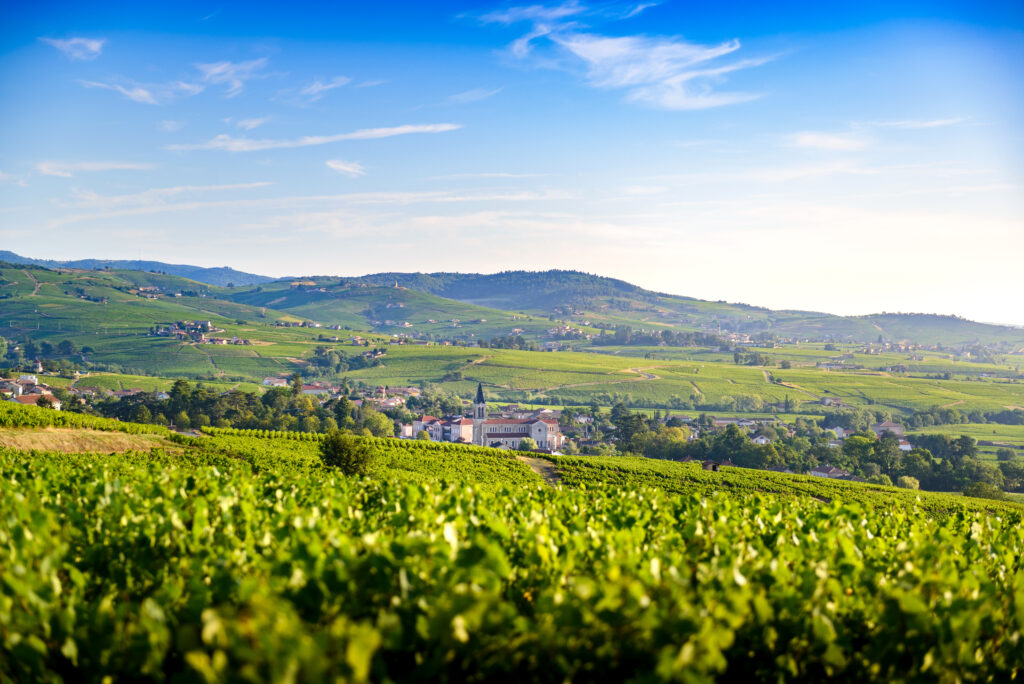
point(507, 433)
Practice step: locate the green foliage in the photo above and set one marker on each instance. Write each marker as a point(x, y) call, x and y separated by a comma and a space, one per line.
point(984, 490)
point(907, 482)
point(349, 454)
point(201, 566)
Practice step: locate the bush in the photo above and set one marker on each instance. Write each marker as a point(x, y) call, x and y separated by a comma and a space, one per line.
point(423, 435)
point(984, 490)
point(527, 444)
point(907, 482)
point(347, 453)
point(881, 479)
point(1005, 454)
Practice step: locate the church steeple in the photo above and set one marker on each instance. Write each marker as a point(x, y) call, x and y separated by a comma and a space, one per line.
point(479, 415)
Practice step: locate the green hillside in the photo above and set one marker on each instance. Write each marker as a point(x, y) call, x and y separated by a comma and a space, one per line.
point(588, 298)
point(387, 309)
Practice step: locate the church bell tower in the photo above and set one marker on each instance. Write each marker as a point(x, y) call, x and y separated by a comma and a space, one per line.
point(479, 415)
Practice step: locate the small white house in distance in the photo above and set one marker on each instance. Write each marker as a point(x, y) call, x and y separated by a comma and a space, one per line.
point(275, 382)
point(28, 378)
point(761, 440)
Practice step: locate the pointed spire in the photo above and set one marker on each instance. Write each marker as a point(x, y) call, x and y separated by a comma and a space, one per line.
point(480, 393)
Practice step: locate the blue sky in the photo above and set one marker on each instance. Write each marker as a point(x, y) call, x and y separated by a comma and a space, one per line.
point(851, 160)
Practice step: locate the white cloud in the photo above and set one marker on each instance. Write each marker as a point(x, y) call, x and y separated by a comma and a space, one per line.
point(136, 93)
point(230, 144)
point(662, 72)
point(497, 174)
point(68, 169)
point(154, 197)
point(171, 126)
point(250, 124)
point(149, 94)
point(534, 13)
point(369, 84)
point(349, 168)
point(78, 48)
point(927, 123)
point(833, 142)
point(232, 74)
point(472, 95)
point(316, 90)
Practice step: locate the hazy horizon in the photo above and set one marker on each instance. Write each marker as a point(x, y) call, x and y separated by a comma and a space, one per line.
point(847, 160)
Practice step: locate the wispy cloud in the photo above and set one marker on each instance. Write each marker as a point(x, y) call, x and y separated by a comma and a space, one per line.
point(154, 197)
point(926, 123)
point(317, 89)
point(349, 168)
point(78, 48)
point(68, 169)
point(369, 84)
point(496, 174)
point(473, 95)
point(661, 72)
point(250, 124)
point(833, 142)
point(150, 202)
point(534, 13)
point(154, 94)
point(232, 74)
point(230, 144)
point(171, 126)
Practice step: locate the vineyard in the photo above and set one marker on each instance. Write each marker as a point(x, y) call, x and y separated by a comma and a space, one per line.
point(242, 558)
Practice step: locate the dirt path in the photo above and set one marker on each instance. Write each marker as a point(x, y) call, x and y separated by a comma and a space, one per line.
point(766, 378)
point(546, 469)
point(640, 371)
point(34, 282)
point(798, 388)
point(955, 403)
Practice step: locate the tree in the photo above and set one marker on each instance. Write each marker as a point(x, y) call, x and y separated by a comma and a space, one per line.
point(881, 479)
point(907, 482)
point(66, 348)
point(296, 384)
point(786, 365)
point(984, 490)
point(348, 453)
point(1005, 454)
point(527, 444)
point(378, 424)
point(181, 420)
point(423, 435)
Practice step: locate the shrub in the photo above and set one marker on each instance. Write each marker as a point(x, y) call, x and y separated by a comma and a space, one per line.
point(347, 453)
point(527, 444)
point(1005, 454)
point(907, 482)
point(984, 490)
point(881, 479)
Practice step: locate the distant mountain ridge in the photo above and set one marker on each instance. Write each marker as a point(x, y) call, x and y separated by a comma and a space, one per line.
point(221, 276)
point(574, 297)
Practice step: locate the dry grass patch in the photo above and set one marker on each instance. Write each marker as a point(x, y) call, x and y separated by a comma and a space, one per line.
point(76, 440)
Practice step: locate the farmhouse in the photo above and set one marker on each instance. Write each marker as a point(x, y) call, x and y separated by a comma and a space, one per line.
point(887, 426)
point(830, 472)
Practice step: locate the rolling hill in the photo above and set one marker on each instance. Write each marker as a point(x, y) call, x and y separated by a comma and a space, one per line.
point(591, 299)
point(211, 276)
